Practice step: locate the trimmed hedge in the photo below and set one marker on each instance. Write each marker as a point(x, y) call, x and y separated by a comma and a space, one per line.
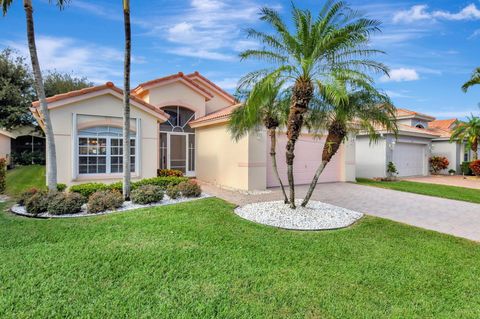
point(65, 203)
point(147, 194)
point(104, 200)
point(88, 189)
point(465, 168)
point(162, 182)
point(61, 187)
point(25, 195)
point(38, 203)
point(173, 192)
point(189, 189)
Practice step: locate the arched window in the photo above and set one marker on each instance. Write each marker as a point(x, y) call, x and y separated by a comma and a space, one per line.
point(100, 150)
point(178, 121)
point(420, 126)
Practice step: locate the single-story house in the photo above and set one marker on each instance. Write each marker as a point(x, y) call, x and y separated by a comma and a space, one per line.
point(419, 137)
point(5, 144)
point(178, 122)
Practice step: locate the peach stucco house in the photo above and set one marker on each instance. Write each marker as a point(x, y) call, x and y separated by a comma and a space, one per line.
point(178, 122)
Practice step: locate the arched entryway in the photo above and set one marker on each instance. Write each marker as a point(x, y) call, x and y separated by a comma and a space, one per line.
point(177, 141)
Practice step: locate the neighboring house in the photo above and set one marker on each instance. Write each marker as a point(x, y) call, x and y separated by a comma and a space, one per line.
point(420, 136)
point(178, 122)
point(5, 144)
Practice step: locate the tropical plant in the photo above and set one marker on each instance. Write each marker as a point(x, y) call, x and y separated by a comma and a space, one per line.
point(265, 104)
point(334, 42)
point(468, 132)
point(474, 80)
point(126, 101)
point(391, 169)
point(438, 163)
point(37, 74)
point(351, 107)
point(475, 167)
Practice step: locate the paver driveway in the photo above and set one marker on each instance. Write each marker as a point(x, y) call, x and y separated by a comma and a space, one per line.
point(457, 218)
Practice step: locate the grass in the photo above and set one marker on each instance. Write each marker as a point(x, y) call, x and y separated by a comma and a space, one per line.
point(199, 260)
point(444, 191)
point(25, 177)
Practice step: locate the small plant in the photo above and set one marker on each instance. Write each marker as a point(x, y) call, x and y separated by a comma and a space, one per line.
point(3, 175)
point(61, 187)
point(173, 192)
point(147, 194)
point(391, 170)
point(169, 172)
point(466, 170)
point(65, 203)
point(452, 171)
point(38, 203)
point(475, 167)
point(189, 189)
point(104, 200)
point(87, 189)
point(438, 163)
point(25, 195)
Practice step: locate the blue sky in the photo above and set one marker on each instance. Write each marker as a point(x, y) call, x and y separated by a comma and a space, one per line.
point(432, 46)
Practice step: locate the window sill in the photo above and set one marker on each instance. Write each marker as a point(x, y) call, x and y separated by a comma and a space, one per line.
point(90, 177)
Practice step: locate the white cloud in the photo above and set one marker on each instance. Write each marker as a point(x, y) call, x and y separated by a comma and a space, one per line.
point(421, 13)
point(98, 63)
point(398, 94)
point(228, 83)
point(208, 29)
point(401, 75)
point(475, 34)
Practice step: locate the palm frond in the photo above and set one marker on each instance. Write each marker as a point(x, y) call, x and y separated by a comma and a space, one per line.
point(474, 80)
point(5, 5)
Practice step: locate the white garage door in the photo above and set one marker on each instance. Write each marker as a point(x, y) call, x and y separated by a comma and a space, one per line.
point(409, 159)
point(308, 155)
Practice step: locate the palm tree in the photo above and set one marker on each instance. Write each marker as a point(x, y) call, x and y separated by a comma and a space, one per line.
point(265, 104)
point(351, 108)
point(126, 101)
point(336, 41)
point(32, 47)
point(474, 80)
point(468, 132)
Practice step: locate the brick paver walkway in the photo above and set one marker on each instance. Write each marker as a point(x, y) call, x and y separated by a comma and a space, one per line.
point(452, 217)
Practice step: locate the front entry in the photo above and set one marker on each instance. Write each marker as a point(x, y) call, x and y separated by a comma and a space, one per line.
point(177, 141)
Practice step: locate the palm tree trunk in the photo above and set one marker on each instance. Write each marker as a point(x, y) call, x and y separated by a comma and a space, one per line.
point(50, 138)
point(475, 150)
point(273, 144)
point(302, 94)
point(336, 134)
point(126, 102)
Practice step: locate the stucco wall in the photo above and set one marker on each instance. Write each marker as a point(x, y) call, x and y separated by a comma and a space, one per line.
point(5, 147)
point(371, 158)
point(452, 151)
point(220, 160)
point(177, 94)
point(104, 105)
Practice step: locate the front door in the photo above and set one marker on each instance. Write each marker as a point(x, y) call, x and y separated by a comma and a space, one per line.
point(178, 152)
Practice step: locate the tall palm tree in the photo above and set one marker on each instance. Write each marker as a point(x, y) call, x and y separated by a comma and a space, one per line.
point(360, 108)
point(335, 41)
point(126, 101)
point(265, 104)
point(32, 47)
point(468, 132)
point(474, 80)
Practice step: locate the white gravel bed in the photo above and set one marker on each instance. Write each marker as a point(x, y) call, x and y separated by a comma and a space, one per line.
point(316, 216)
point(20, 210)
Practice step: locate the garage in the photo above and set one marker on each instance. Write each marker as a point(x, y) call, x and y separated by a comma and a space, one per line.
point(308, 155)
point(409, 158)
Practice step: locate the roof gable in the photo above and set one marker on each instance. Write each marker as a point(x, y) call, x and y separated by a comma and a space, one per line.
point(210, 86)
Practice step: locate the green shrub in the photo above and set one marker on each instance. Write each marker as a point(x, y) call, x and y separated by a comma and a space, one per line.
point(169, 172)
point(465, 168)
point(162, 182)
point(104, 200)
point(173, 192)
point(189, 189)
point(38, 203)
point(61, 187)
point(3, 175)
point(147, 194)
point(65, 203)
point(87, 189)
point(25, 195)
point(118, 186)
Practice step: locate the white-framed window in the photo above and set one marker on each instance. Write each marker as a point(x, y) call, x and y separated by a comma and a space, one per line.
point(100, 151)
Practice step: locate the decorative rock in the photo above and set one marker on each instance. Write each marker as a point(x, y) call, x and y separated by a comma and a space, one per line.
point(316, 216)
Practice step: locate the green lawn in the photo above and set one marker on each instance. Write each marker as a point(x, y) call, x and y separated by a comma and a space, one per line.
point(445, 191)
point(24, 177)
point(199, 260)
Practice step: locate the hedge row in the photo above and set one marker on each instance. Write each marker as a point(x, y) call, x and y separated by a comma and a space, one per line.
point(88, 189)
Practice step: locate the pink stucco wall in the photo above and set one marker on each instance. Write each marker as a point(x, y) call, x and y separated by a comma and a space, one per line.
point(308, 154)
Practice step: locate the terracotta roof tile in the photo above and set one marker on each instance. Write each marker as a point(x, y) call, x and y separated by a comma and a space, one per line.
point(442, 124)
point(218, 115)
point(197, 74)
point(405, 112)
